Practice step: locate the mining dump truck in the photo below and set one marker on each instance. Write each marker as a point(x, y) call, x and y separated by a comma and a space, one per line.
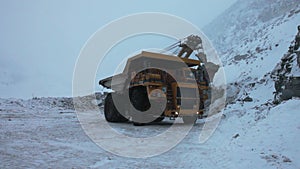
point(154, 86)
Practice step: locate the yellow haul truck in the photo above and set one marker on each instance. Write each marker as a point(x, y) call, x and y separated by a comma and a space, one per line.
point(155, 85)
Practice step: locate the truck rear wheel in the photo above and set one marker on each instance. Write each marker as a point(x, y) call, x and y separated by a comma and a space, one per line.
point(111, 113)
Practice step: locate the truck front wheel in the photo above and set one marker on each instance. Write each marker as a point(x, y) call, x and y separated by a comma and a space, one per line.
point(140, 102)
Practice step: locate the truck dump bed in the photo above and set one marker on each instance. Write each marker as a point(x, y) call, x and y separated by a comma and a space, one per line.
point(155, 60)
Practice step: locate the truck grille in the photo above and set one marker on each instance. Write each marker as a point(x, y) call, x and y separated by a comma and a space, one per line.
point(188, 104)
point(184, 92)
point(187, 97)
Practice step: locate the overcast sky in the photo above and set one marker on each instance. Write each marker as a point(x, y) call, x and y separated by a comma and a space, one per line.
point(41, 39)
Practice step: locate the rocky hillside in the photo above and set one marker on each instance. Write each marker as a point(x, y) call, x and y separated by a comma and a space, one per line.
point(248, 22)
point(251, 37)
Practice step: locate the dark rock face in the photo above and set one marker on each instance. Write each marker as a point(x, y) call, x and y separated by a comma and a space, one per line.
point(287, 77)
point(248, 99)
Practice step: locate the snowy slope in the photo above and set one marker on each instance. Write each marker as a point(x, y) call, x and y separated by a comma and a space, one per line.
point(252, 36)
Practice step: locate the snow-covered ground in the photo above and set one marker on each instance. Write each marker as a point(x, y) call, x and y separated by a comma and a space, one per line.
point(254, 133)
point(45, 133)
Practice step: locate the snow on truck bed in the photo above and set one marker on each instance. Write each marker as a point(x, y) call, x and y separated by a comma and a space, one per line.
point(45, 133)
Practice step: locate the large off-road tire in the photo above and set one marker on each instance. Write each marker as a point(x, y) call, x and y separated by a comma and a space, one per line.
point(111, 113)
point(140, 101)
point(139, 98)
point(159, 119)
point(189, 119)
